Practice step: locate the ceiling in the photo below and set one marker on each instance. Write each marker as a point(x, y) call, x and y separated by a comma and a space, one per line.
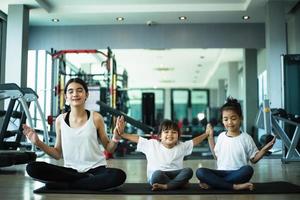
point(167, 68)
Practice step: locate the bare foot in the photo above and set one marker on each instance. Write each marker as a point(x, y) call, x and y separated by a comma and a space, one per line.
point(204, 186)
point(157, 186)
point(243, 186)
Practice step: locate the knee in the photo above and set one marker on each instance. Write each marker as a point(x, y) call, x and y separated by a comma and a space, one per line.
point(248, 169)
point(200, 173)
point(32, 168)
point(188, 172)
point(156, 176)
point(120, 175)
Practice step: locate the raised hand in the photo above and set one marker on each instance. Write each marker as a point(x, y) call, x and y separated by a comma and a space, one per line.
point(270, 144)
point(209, 130)
point(30, 134)
point(120, 126)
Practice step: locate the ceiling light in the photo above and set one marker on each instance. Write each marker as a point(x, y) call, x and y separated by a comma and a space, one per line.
point(120, 18)
point(164, 68)
point(55, 20)
point(182, 18)
point(167, 81)
point(246, 17)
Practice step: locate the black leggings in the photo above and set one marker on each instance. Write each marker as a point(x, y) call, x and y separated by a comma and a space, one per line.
point(57, 177)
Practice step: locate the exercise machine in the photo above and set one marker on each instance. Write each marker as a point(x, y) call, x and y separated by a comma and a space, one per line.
point(13, 152)
point(272, 123)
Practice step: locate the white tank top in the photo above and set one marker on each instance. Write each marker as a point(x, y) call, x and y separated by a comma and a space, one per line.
point(80, 147)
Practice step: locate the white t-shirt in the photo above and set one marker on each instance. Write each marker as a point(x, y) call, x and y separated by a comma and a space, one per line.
point(234, 152)
point(161, 158)
point(80, 147)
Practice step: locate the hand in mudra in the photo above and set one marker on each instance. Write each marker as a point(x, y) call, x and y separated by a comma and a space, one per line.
point(30, 134)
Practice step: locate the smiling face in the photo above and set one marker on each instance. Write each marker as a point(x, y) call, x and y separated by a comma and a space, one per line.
point(76, 94)
point(232, 121)
point(169, 137)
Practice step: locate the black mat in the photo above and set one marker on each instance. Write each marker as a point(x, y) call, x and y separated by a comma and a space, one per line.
point(192, 189)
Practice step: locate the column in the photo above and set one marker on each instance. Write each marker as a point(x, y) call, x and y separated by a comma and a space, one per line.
point(250, 97)
point(275, 47)
point(17, 45)
point(221, 92)
point(233, 80)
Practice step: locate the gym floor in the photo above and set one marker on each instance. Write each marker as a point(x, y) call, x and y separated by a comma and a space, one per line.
point(16, 185)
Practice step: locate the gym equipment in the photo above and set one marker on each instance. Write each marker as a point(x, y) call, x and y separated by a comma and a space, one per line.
point(10, 151)
point(133, 122)
point(31, 96)
point(148, 108)
point(274, 123)
point(9, 155)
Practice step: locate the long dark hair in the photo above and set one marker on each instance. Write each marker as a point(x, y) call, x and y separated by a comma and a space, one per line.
point(76, 80)
point(232, 104)
point(167, 124)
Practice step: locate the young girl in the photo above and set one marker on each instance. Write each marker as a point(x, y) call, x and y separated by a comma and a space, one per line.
point(77, 134)
point(165, 157)
point(233, 151)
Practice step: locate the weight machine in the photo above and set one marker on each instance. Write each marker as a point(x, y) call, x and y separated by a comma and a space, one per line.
point(268, 120)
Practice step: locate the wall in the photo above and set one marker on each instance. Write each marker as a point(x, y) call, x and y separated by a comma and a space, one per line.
point(141, 36)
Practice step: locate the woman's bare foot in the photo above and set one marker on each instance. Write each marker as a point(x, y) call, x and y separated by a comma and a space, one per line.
point(157, 186)
point(204, 186)
point(243, 186)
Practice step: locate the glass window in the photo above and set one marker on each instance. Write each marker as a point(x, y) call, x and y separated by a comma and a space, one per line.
point(135, 103)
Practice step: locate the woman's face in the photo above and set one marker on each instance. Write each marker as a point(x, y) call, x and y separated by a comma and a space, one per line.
point(76, 95)
point(231, 120)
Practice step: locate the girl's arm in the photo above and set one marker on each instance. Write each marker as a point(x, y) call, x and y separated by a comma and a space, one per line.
point(56, 151)
point(131, 137)
point(120, 126)
point(263, 151)
point(211, 140)
point(197, 140)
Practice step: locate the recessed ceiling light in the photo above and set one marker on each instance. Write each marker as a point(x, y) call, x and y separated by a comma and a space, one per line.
point(120, 18)
point(167, 81)
point(55, 20)
point(162, 68)
point(182, 18)
point(246, 17)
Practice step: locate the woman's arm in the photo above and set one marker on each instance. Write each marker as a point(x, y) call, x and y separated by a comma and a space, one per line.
point(263, 151)
point(109, 145)
point(55, 151)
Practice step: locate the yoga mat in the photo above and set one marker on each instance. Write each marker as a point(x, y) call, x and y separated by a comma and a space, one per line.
point(192, 189)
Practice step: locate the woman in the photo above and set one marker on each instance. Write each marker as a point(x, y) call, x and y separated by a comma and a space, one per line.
point(77, 134)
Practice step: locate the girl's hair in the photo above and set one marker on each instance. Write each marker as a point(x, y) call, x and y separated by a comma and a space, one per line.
point(168, 125)
point(76, 80)
point(234, 105)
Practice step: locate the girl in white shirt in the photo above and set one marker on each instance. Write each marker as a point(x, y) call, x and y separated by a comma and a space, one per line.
point(165, 156)
point(233, 150)
point(77, 134)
